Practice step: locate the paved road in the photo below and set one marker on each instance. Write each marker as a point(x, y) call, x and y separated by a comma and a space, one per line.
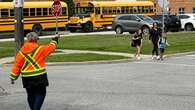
point(144, 85)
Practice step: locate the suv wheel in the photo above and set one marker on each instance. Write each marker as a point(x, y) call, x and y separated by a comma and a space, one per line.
point(189, 27)
point(119, 30)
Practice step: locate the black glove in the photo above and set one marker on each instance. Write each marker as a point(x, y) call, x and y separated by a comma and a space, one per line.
point(57, 36)
point(12, 81)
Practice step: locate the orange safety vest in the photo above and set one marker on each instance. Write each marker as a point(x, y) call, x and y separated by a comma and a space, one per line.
point(30, 60)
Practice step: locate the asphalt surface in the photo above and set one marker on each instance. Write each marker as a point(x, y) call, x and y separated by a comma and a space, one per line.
point(138, 85)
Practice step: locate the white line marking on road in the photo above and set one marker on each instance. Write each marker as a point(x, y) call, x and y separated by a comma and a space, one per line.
point(163, 63)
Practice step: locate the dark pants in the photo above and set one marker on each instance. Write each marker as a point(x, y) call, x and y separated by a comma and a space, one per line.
point(36, 96)
point(155, 48)
point(162, 50)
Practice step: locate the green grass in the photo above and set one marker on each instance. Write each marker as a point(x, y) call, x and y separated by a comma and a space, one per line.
point(6, 52)
point(82, 57)
point(179, 42)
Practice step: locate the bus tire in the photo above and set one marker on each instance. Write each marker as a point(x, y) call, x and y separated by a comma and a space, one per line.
point(37, 28)
point(119, 30)
point(88, 27)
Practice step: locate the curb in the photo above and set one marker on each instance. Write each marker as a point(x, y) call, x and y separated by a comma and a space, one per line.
point(85, 62)
point(90, 62)
point(179, 54)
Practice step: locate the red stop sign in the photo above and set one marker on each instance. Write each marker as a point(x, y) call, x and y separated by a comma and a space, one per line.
point(56, 8)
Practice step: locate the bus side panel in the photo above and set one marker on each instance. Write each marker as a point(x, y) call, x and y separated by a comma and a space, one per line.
point(7, 28)
point(103, 21)
point(6, 24)
point(45, 22)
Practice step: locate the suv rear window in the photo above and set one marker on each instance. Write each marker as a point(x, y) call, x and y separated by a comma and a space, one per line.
point(184, 16)
point(124, 18)
point(127, 18)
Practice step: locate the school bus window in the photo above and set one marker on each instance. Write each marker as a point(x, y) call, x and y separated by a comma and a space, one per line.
point(50, 11)
point(4, 13)
point(0, 12)
point(104, 11)
point(142, 8)
point(134, 9)
point(63, 11)
point(39, 12)
point(122, 10)
point(11, 12)
point(126, 10)
point(32, 11)
point(118, 10)
point(45, 12)
point(130, 9)
point(109, 10)
point(151, 9)
point(146, 9)
point(114, 10)
point(97, 10)
point(138, 9)
point(26, 12)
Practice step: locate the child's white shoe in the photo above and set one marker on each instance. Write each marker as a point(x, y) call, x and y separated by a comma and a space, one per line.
point(158, 58)
point(153, 57)
point(138, 58)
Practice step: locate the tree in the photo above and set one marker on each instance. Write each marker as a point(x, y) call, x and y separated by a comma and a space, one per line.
point(71, 7)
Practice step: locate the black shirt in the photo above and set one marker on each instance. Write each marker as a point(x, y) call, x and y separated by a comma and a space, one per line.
point(155, 34)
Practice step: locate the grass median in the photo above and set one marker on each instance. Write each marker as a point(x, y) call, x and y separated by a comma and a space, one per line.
point(82, 57)
point(179, 43)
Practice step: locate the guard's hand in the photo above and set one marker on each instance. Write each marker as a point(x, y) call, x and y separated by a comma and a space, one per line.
point(57, 35)
point(12, 81)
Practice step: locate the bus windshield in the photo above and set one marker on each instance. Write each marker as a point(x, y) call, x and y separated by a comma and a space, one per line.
point(84, 10)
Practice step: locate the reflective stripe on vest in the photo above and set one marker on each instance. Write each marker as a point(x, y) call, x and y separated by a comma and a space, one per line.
point(29, 59)
point(31, 73)
point(26, 64)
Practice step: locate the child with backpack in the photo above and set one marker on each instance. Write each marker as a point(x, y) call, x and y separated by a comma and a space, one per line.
point(162, 44)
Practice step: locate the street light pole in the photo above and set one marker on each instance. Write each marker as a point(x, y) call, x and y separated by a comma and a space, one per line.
point(19, 27)
point(163, 21)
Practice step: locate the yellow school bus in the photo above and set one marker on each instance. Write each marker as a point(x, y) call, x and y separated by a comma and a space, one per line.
point(37, 16)
point(100, 14)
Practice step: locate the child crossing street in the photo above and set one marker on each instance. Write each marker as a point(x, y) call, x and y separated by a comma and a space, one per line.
point(162, 44)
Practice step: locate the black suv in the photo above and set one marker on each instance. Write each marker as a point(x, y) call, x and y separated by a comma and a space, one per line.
point(172, 22)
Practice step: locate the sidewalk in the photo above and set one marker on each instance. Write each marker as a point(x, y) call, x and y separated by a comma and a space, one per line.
point(66, 51)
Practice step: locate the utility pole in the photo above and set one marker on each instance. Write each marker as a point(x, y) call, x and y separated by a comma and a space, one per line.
point(163, 20)
point(19, 26)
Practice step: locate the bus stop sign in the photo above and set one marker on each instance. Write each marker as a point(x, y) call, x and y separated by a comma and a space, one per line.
point(56, 8)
